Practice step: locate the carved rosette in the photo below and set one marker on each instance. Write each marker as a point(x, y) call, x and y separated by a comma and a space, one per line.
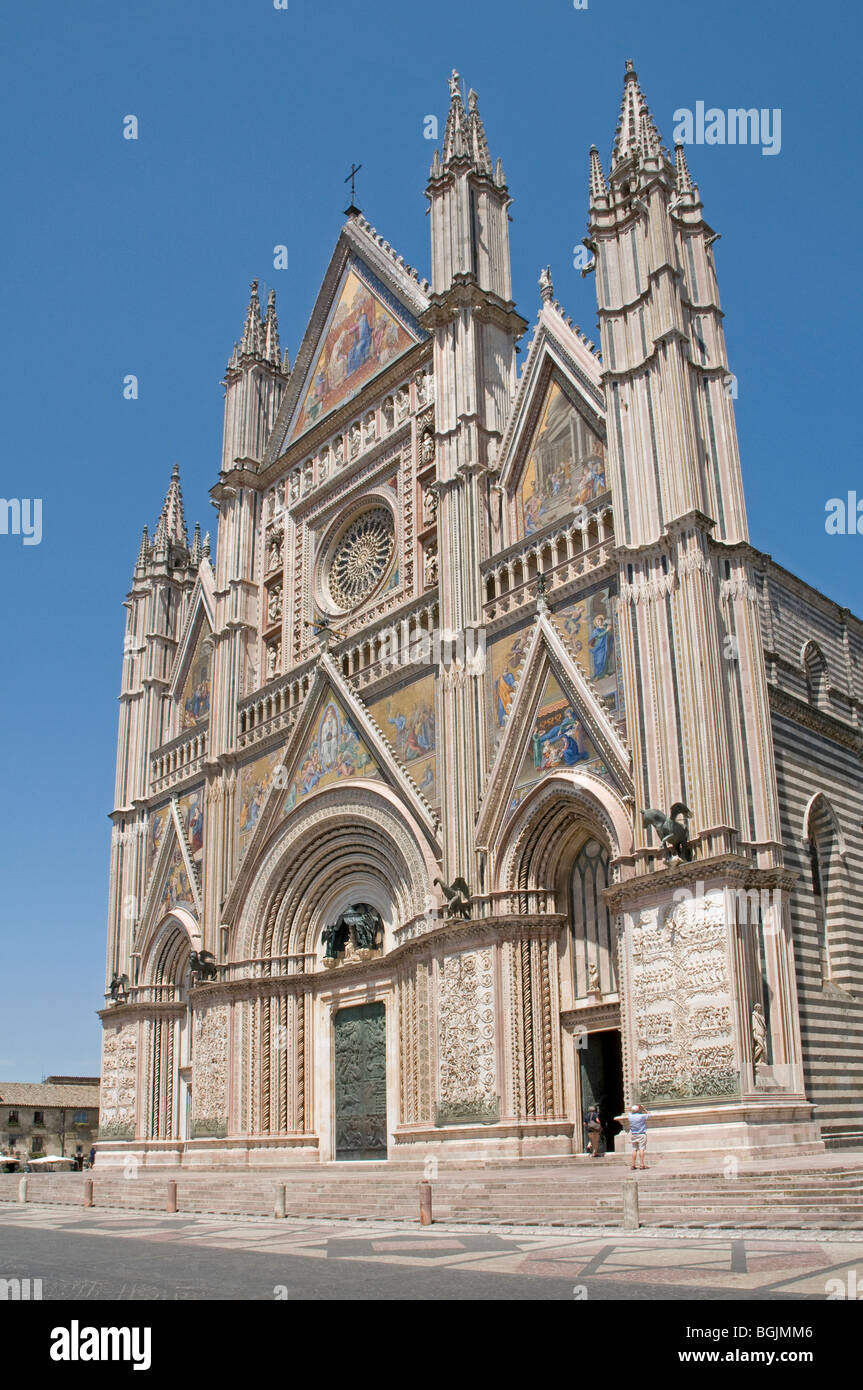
point(119, 1082)
point(466, 1036)
point(681, 995)
point(210, 1076)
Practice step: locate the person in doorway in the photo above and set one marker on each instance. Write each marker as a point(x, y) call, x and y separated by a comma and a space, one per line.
point(638, 1118)
point(593, 1125)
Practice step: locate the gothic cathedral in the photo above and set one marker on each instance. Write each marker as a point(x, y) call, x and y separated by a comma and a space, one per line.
point(486, 770)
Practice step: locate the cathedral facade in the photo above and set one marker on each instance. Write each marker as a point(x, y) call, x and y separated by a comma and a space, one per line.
point(486, 770)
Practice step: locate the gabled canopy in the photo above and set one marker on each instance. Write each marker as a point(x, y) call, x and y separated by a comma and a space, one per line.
point(335, 740)
point(365, 317)
point(582, 726)
point(560, 364)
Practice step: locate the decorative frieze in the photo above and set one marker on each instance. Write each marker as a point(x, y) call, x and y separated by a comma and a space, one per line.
point(210, 1076)
point(681, 998)
point(117, 1104)
point(467, 1088)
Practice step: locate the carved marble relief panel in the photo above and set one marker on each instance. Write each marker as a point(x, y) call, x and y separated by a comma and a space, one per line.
point(467, 1090)
point(682, 1002)
point(119, 1081)
point(210, 1075)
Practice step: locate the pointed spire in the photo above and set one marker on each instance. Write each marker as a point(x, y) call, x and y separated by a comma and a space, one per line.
point(464, 136)
point(454, 134)
point(197, 549)
point(684, 179)
point(143, 553)
point(271, 331)
point(598, 186)
point(206, 546)
point(252, 341)
point(499, 175)
point(172, 523)
point(636, 132)
point(476, 135)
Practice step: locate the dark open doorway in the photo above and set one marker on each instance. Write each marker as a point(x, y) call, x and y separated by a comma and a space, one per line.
point(602, 1081)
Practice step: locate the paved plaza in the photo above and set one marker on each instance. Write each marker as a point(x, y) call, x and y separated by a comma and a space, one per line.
point(83, 1255)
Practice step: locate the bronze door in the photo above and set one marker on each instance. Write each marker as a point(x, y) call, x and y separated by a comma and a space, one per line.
point(361, 1082)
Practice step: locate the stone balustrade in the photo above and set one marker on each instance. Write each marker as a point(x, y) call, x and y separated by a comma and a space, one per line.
point(274, 707)
point(181, 758)
point(529, 902)
point(583, 545)
point(408, 640)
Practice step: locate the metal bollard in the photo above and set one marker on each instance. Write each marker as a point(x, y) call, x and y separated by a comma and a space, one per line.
point(171, 1204)
point(279, 1204)
point(22, 1190)
point(630, 1204)
point(425, 1204)
point(88, 1192)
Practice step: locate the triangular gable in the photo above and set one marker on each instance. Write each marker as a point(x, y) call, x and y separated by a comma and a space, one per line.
point(334, 740)
point(563, 466)
point(556, 429)
point(191, 675)
point(365, 318)
point(555, 722)
point(173, 879)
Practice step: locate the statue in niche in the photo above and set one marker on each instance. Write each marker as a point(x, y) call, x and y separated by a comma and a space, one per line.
point(359, 929)
point(759, 1034)
point(403, 403)
point(370, 433)
point(308, 475)
point(430, 505)
point(354, 440)
point(427, 449)
point(334, 939)
point(274, 654)
point(339, 450)
point(430, 570)
point(672, 832)
point(367, 928)
point(324, 464)
point(274, 603)
point(274, 553)
point(389, 413)
point(294, 485)
point(593, 978)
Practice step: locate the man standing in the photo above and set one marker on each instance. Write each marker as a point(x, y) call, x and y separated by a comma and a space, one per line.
point(638, 1118)
point(593, 1126)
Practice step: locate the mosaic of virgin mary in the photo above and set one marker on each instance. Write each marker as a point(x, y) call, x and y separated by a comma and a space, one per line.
point(362, 337)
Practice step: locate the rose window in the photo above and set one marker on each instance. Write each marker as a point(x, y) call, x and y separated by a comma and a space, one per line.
point(361, 557)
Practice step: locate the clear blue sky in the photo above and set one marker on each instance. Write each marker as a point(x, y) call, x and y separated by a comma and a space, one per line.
point(135, 257)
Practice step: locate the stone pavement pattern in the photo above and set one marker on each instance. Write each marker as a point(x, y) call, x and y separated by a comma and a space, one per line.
point(748, 1266)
